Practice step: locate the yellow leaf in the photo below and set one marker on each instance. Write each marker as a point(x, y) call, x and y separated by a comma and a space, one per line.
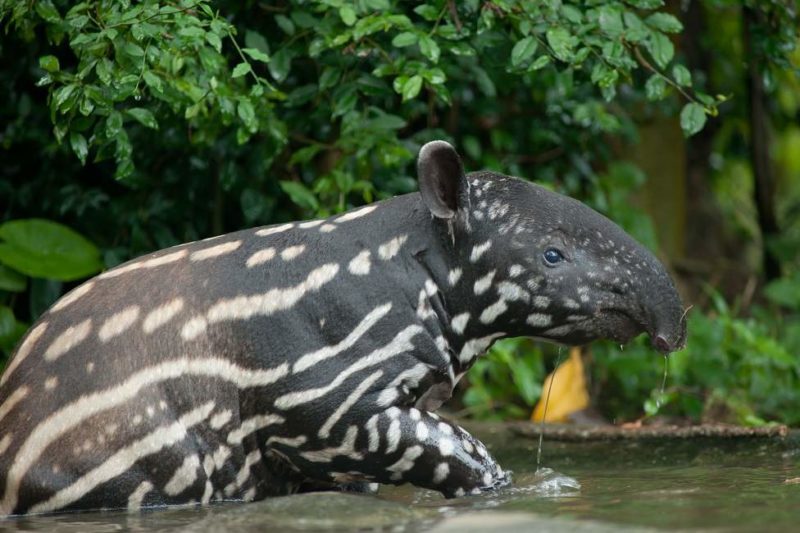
point(569, 393)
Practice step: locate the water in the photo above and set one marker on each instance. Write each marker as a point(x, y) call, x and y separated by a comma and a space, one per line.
point(744, 485)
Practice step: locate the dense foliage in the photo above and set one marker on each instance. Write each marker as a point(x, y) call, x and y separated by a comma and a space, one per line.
point(145, 124)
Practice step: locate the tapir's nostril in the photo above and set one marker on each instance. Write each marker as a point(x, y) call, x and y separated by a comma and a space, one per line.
point(661, 344)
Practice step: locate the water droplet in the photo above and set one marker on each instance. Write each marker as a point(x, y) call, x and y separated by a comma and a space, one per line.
point(663, 382)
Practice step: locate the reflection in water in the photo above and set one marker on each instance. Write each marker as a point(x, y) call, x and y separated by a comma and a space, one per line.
point(746, 485)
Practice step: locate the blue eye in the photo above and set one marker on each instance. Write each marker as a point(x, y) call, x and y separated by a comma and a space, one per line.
point(553, 256)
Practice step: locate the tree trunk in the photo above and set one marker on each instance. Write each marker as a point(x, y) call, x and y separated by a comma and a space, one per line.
point(764, 181)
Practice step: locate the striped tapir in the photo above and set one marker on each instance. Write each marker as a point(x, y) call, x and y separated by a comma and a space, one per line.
point(313, 354)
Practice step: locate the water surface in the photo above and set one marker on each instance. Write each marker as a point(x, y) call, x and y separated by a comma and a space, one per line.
point(742, 485)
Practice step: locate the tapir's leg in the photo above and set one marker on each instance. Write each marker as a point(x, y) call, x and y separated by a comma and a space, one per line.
point(405, 445)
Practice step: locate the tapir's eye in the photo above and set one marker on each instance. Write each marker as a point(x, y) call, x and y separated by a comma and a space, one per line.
point(553, 256)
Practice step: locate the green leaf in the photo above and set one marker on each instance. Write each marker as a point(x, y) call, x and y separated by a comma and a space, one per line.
point(49, 63)
point(214, 40)
point(661, 48)
point(285, 23)
point(45, 249)
point(255, 40)
point(693, 118)
point(79, 146)
point(654, 88)
point(682, 76)
point(411, 87)
point(280, 65)
point(300, 195)
point(240, 70)
point(104, 68)
point(153, 81)
point(247, 113)
point(7, 321)
point(427, 11)
point(113, 124)
point(541, 62)
point(664, 22)
point(46, 10)
point(347, 14)
point(429, 48)
point(523, 50)
point(610, 21)
point(560, 41)
point(143, 116)
point(11, 280)
point(404, 39)
point(256, 54)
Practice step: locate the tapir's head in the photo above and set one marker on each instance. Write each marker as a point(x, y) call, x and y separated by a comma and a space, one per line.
point(565, 273)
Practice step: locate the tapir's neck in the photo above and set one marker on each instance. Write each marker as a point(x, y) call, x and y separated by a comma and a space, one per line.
point(469, 311)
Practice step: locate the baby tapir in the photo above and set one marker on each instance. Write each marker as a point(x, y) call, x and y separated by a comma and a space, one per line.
point(312, 354)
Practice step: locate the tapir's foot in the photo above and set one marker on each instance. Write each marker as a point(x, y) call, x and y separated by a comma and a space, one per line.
point(404, 445)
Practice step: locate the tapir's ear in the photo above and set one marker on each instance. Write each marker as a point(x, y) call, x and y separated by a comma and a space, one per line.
point(441, 179)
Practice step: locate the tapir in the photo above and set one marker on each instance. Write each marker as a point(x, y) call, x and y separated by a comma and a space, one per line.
point(313, 354)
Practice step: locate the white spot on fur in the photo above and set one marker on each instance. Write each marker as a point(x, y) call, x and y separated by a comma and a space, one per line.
point(327, 228)
point(393, 436)
point(569, 303)
point(491, 313)
point(184, 476)
point(446, 447)
point(73, 296)
point(147, 263)
point(220, 419)
point(245, 307)
point(23, 351)
point(453, 276)
point(422, 431)
point(5, 442)
point(475, 347)
point(360, 264)
point(373, 436)
point(539, 320)
point(358, 213)
point(51, 383)
point(515, 270)
point(118, 323)
point(541, 301)
point(214, 251)
point(161, 315)
point(194, 328)
point(70, 338)
point(13, 399)
point(137, 496)
point(406, 462)
point(273, 230)
point(310, 224)
point(251, 425)
point(260, 257)
point(292, 252)
point(478, 250)
point(440, 473)
point(511, 291)
point(390, 248)
point(483, 284)
point(292, 442)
